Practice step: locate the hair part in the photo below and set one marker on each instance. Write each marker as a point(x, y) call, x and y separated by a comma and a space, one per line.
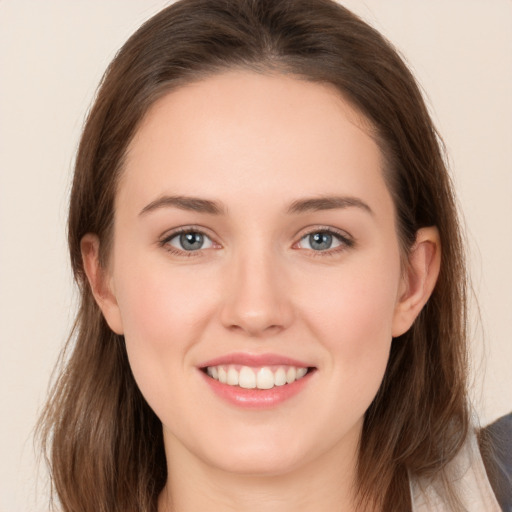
point(104, 443)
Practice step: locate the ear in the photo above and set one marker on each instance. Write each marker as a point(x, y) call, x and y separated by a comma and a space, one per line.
point(419, 279)
point(100, 282)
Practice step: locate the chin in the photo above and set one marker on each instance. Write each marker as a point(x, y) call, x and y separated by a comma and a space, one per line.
point(258, 464)
point(262, 457)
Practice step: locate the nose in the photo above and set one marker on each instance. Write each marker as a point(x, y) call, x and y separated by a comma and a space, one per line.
point(257, 299)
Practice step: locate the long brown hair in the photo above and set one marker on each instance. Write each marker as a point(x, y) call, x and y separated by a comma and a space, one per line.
point(103, 443)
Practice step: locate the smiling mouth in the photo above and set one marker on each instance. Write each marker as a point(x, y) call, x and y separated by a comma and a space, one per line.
point(263, 377)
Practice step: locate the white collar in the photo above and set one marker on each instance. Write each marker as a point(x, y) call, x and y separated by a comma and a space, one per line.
point(467, 473)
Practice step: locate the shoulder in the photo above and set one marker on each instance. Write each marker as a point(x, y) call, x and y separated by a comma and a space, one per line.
point(495, 442)
point(462, 484)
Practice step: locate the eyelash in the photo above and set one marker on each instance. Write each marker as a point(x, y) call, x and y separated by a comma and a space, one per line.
point(345, 241)
point(182, 231)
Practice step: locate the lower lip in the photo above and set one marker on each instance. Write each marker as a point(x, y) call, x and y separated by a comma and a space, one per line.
point(257, 398)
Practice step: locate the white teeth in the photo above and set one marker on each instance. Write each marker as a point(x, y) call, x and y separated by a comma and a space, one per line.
point(280, 377)
point(264, 377)
point(291, 374)
point(247, 378)
point(232, 377)
point(301, 372)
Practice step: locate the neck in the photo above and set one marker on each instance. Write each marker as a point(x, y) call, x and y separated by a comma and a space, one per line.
point(326, 483)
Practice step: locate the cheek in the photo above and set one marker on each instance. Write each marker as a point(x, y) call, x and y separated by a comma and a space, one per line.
point(353, 317)
point(163, 316)
point(358, 303)
point(156, 303)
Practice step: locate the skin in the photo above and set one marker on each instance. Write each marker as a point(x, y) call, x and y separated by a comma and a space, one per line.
point(255, 144)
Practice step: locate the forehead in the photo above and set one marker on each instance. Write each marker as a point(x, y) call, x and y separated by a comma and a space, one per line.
point(242, 132)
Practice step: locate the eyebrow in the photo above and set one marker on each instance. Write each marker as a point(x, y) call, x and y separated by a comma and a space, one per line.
point(197, 204)
point(185, 203)
point(327, 203)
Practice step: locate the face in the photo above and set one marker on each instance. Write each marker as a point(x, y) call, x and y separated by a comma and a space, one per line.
point(255, 242)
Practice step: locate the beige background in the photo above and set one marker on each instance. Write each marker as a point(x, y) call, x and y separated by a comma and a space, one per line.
point(52, 55)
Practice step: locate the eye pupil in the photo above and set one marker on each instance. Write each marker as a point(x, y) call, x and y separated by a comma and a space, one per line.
point(191, 241)
point(320, 241)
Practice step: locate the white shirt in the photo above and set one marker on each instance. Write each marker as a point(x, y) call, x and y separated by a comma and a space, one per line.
point(467, 473)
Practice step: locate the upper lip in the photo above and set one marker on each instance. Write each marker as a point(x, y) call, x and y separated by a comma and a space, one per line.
point(254, 360)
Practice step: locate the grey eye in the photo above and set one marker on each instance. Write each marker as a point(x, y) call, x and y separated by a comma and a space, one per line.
point(191, 241)
point(320, 241)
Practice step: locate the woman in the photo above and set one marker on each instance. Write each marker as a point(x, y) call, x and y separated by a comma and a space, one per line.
point(272, 277)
